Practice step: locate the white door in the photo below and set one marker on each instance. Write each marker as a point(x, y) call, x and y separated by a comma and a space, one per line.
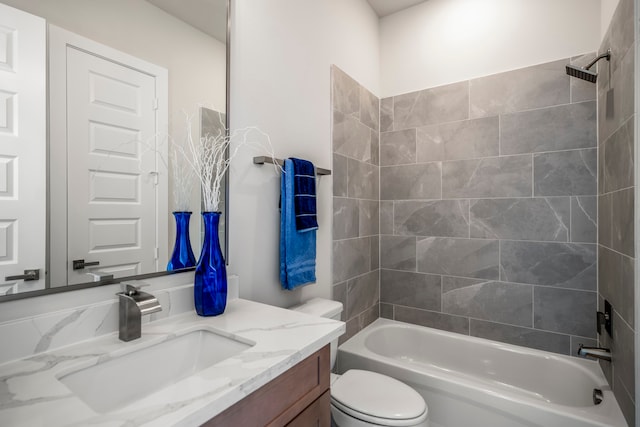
point(112, 175)
point(22, 149)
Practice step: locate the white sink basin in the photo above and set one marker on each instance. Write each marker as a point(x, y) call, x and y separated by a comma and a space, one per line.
point(120, 381)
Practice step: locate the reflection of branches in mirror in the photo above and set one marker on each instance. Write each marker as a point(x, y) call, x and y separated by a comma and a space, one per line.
point(211, 155)
point(182, 179)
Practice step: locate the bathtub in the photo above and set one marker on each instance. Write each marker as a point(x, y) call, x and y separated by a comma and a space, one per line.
point(473, 382)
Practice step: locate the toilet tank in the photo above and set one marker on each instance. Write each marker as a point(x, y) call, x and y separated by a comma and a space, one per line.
point(323, 308)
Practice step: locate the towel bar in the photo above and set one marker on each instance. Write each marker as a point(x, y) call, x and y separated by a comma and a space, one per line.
point(260, 160)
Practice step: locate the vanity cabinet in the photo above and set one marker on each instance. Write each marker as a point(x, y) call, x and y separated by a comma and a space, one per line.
point(298, 397)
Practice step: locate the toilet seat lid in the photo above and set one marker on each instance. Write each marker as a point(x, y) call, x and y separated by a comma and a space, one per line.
point(372, 395)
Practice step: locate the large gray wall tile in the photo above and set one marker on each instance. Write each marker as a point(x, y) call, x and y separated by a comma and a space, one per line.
point(375, 252)
point(363, 180)
point(562, 127)
point(565, 310)
point(467, 139)
point(436, 105)
point(345, 92)
point(345, 218)
point(627, 405)
point(533, 338)
point(604, 220)
point(443, 218)
point(615, 95)
point(386, 311)
point(398, 147)
point(524, 89)
point(616, 282)
point(620, 34)
point(566, 173)
point(356, 202)
point(351, 258)
point(359, 322)
point(410, 289)
point(351, 138)
point(340, 294)
point(375, 147)
point(339, 175)
point(584, 219)
point(363, 292)
point(582, 90)
point(473, 258)
point(420, 181)
point(622, 219)
point(386, 217)
point(488, 300)
point(369, 109)
point(616, 230)
point(398, 253)
point(521, 219)
point(490, 177)
point(563, 265)
point(619, 158)
point(624, 351)
point(386, 114)
point(369, 217)
point(432, 319)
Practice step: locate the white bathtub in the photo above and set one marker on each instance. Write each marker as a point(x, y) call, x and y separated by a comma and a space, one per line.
point(473, 382)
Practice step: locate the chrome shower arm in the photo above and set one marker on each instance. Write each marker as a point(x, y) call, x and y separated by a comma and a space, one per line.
point(606, 55)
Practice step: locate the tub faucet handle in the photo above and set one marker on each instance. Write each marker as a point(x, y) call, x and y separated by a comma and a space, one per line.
point(595, 352)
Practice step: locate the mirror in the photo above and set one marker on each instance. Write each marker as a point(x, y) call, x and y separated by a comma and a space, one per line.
point(94, 94)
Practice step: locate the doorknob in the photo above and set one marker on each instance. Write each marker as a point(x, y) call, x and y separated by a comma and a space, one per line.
point(79, 264)
point(28, 276)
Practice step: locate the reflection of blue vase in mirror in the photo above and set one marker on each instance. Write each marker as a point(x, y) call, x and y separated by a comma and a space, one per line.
point(210, 285)
point(182, 256)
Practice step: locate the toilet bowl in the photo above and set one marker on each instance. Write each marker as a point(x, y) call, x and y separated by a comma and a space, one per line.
point(363, 398)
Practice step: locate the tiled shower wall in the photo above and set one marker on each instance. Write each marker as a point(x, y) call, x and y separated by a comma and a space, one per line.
point(355, 201)
point(488, 198)
point(616, 188)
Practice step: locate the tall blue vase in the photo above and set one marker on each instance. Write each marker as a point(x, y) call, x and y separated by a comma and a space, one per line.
point(182, 256)
point(210, 286)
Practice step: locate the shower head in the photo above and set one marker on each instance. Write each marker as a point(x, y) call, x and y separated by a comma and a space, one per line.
point(583, 72)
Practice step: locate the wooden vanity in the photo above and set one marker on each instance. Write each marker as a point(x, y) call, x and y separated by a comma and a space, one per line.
point(298, 397)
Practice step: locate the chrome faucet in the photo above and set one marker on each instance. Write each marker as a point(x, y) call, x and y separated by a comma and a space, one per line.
point(133, 305)
point(595, 352)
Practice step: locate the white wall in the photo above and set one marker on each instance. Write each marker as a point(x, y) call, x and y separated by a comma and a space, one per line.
point(607, 9)
point(280, 64)
point(445, 41)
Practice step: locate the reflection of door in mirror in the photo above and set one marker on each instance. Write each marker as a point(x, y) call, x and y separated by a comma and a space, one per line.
point(22, 132)
point(187, 40)
point(114, 193)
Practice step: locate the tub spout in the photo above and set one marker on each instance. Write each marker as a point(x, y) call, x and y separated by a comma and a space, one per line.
point(595, 352)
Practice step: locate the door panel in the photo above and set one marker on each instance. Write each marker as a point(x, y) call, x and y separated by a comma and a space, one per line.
point(111, 122)
point(22, 148)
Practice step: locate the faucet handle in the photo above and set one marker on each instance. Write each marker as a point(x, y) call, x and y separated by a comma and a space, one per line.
point(132, 287)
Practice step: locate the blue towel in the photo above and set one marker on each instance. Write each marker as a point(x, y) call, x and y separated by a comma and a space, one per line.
point(297, 250)
point(305, 194)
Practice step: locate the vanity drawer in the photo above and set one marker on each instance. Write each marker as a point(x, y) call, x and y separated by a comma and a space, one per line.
point(278, 402)
point(318, 414)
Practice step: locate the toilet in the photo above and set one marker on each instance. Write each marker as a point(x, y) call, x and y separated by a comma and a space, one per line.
point(363, 398)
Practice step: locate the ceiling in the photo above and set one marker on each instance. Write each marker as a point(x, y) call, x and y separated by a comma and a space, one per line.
point(387, 7)
point(209, 16)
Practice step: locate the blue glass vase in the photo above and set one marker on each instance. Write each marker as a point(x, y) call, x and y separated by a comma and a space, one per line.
point(182, 256)
point(210, 286)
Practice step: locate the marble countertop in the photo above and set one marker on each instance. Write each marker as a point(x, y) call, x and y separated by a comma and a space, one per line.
point(32, 395)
